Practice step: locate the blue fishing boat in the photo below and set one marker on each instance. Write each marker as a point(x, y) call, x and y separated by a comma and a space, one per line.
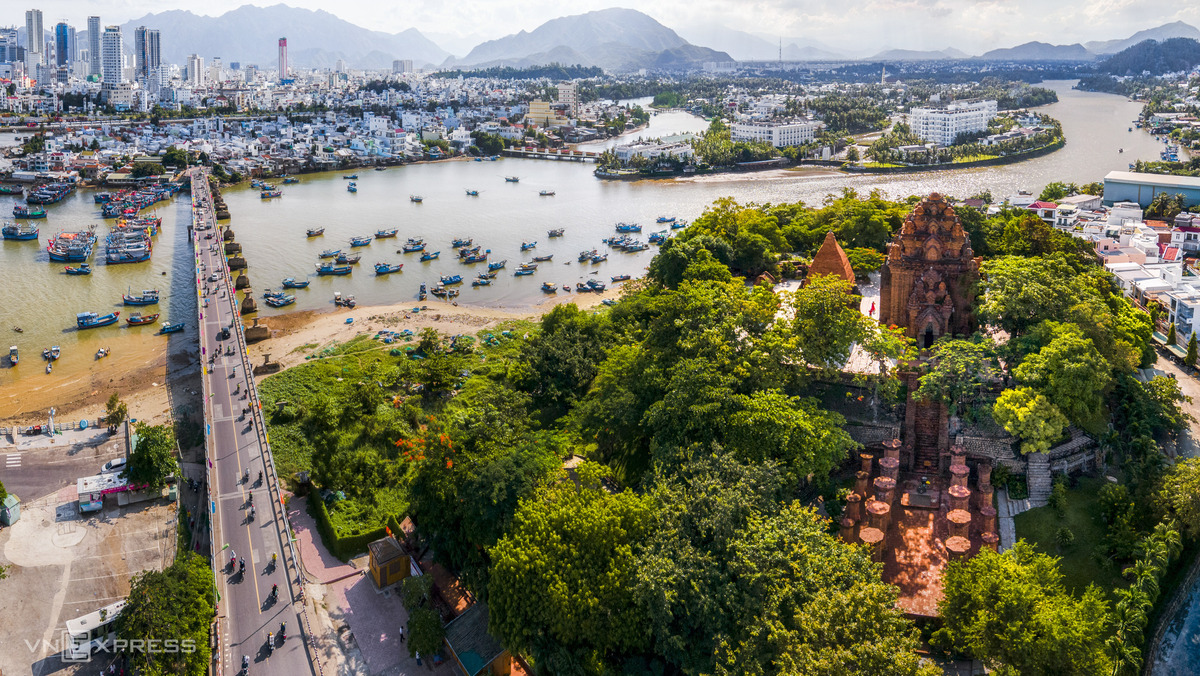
point(360, 241)
point(620, 278)
point(148, 297)
point(512, 179)
point(416, 198)
point(497, 265)
point(315, 232)
point(290, 180)
point(658, 237)
point(628, 227)
point(280, 300)
point(599, 258)
point(542, 259)
point(102, 197)
point(421, 293)
point(430, 256)
point(330, 253)
point(472, 193)
point(459, 242)
point(678, 225)
point(331, 269)
point(526, 246)
point(413, 247)
point(557, 232)
point(387, 269)
point(549, 287)
point(452, 279)
point(352, 188)
point(345, 259)
point(20, 232)
point(171, 328)
point(665, 219)
point(351, 176)
point(83, 269)
point(291, 283)
point(384, 234)
point(91, 320)
point(523, 272)
point(21, 211)
point(268, 194)
point(483, 281)
point(477, 257)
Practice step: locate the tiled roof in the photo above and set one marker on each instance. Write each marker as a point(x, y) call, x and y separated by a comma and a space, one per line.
point(468, 638)
point(1043, 205)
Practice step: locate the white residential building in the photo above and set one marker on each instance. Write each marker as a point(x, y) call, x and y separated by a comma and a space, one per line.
point(112, 56)
point(944, 125)
point(778, 134)
point(568, 95)
point(195, 70)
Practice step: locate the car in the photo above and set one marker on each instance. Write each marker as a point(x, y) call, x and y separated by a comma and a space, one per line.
point(208, 236)
point(214, 277)
point(114, 465)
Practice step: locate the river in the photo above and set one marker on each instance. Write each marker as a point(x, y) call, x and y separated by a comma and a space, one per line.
point(43, 301)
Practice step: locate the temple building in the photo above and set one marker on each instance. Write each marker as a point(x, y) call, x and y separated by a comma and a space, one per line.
point(831, 260)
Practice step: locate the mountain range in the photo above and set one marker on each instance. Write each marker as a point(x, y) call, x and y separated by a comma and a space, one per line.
point(614, 39)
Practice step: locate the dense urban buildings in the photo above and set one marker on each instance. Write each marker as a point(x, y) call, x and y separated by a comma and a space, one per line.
point(944, 125)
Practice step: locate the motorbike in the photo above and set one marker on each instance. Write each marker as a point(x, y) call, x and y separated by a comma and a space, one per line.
point(251, 513)
point(274, 592)
point(282, 631)
point(242, 566)
point(246, 663)
point(270, 643)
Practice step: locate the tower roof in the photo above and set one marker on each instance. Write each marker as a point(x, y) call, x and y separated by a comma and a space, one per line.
point(831, 260)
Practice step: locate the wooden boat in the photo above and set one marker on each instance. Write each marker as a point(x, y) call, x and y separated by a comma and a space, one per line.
point(52, 353)
point(83, 269)
point(459, 242)
point(549, 287)
point(20, 211)
point(512, 179)
point(20, 232)
point(351, 176)
point(413, 247)
point(620, 278)
point(347, 259)
point(542, 259)
point(481, 282)
point(665, 219)
point(102, 353)
point(315, 232)
point(451, 279)
point(430, 256)
point(472, 193)
point(360, 241)
point(148, 297)
point(384, 234)
point(280, 300)
point(546, 193)
point(331, 269)
point(268, 194)
point(136, 319)
point(526, 246)
point(415, 198)
point(291, 283)
point(171, 328)
point(386, 269)
point(557, 232)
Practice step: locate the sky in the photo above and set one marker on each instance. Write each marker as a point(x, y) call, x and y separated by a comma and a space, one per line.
point(973, 26)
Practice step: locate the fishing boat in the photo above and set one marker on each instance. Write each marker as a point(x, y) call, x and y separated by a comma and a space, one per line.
point(384, 234)
point(330, 253)
point(291, 283)
point(380, 168)
point(522, 272)
point(347, 259)
point(137, 319)
point(484, 281)
point(477, 257)
point(619, 278)
point(171, 328)
point(512, 179)
point(343, 301)
point(497, 265)
point(430, 256)
point(421, 293)
point(581, 287)
point(451, 279)
point(678, 225)
point(22, 211)
point(486, 275)
point(599, 258)
point(527, 266)
point(459, 242)
point(526, 246)
point(360, 241)
point(549, 287)
point(280, 300)
point(20, 231)
point(148, 297)
point(557, 232)
point(52, 353)
point(628, 227)
point(566, 287)
point(665, 219)
point(315, 232)
point(331, 269)
point(49, 368)
point(290, 180)
point(13, 355)
point(587, 255)
point(546, 193)
point(83, 269)
point(352, 187)
point(596, 286)
point(438, 290)
point(415, 198)
point(472, 193)
point(351, 176)
point(268, 194)
point(102, 353)
point(658, 237)
point(542, 259)
point(12, 190)
point(387, 269)
point(91, 320)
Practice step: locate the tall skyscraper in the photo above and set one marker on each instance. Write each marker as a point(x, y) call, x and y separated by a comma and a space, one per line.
point(195, 70)
point(111, 56)
point(62, 44)
point(283, 62)
point(72, 45)
point(35, 38)
point(146, 51)
point(93, 45)
point(8, 45)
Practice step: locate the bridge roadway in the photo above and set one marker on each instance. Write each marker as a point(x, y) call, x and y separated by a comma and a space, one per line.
point(236, 445)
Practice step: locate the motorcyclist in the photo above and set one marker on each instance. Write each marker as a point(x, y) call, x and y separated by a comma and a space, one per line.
point(251, 513)
point(260, 476)
point(246, 663)
point(270, 642)
point(283, 630)
point(242, 565)
point(274, 590)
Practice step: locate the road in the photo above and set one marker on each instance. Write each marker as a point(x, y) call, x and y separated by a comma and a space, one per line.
point(236, 448)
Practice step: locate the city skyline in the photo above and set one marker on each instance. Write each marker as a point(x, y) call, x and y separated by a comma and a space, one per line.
point(968, 25)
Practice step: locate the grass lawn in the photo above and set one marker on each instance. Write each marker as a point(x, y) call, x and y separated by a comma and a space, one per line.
point(1079, 567)
point(974, 158)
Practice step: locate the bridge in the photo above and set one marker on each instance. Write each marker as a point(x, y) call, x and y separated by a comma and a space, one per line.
point(237, 453)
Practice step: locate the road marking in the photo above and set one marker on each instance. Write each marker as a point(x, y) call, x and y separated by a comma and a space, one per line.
point(13, 461)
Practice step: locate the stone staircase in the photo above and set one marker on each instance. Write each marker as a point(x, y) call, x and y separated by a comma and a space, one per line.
point(1038, 478)
point(927, 428)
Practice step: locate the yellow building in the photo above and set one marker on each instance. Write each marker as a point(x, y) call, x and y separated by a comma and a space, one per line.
point(388, 562)
point(541, 114)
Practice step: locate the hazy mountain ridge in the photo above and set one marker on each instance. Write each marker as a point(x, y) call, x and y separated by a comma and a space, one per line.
point(1169, 56)
point(250, 34)
point(1177, 29)
point(1040, 51)
point(614, 39)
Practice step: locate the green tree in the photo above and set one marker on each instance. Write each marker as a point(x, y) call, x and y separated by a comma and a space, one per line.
point(562, 578)
point(1068, 370)
point(865, 261)
point(1057, 190)
point(1171, 337)
point(806, 439)
point(852, 154)
point(1190, 358)
point(176, 604)
point(559, 363)
point(1179, 495)
point(959, 369)
point(1012, 612)
point(1030, 417)
point(425, 630)
point(116, 411)
point(153, 457)
point(826, 322)
point(1019, 293)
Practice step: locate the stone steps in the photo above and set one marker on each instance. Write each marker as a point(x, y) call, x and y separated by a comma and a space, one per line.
point(1038, 477)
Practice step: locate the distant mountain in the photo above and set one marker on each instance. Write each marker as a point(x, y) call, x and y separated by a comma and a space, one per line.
point(1167, 31)
point(916, 55)
point(614, 39)
point(740, 45)
point(1040, 51)
point(250, 34)
point(1168, 56)
point(794, 52)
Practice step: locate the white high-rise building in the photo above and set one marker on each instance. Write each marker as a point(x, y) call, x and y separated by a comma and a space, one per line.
point(195, 70)
point(568, 94)
point(400, 66)
point(93, 45)
point(943, 126)
point(112, 56)
point(779, 134)
point(216, 73)
point(35, 40)
point(283, 60)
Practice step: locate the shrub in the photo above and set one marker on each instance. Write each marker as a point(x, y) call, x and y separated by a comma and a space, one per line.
point(1065, 537)
point(1058, 495)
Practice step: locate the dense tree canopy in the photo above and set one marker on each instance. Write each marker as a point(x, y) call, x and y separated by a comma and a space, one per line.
point(174, 605)
point(153, 456)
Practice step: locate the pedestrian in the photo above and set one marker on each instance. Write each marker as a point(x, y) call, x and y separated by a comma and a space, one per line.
point(402, 633)
point(872, 312)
